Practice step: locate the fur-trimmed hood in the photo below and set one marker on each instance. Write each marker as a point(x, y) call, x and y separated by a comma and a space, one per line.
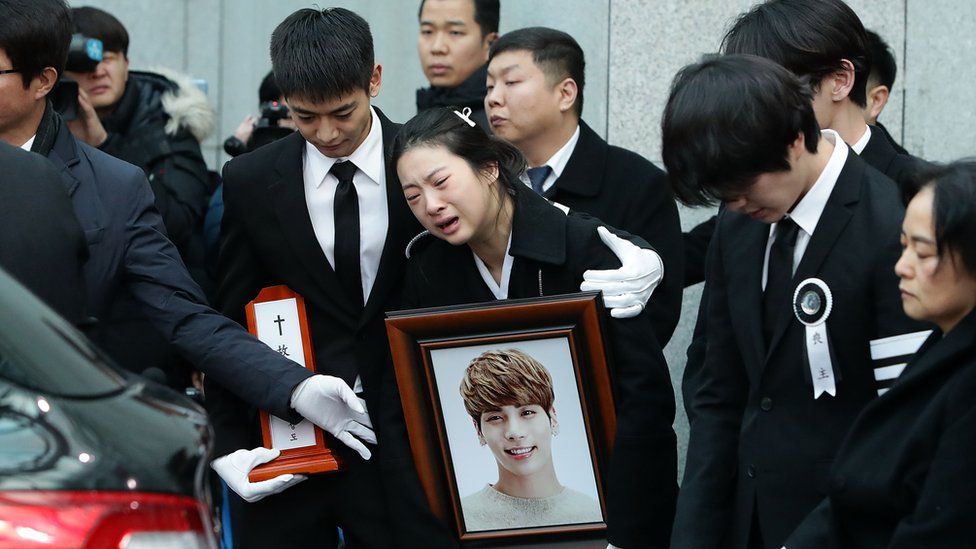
point(187, 106)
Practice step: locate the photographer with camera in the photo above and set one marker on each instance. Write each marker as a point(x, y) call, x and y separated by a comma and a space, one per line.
point(273, 123)
point(154, 121)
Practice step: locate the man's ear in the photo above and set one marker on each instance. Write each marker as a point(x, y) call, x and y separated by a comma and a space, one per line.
point(43, 83)
point(877, 99)
point(489, 39)
point(797, 147)
point(567, 94)
point(841, 81)
point(375, 80)
point(477, 429)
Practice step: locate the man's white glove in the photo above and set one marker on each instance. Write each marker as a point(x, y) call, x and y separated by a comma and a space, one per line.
point(329, 403)
point(234, 468)
point(627, 289)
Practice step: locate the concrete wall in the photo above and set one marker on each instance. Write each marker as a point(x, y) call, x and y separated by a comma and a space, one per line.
point(633, 48)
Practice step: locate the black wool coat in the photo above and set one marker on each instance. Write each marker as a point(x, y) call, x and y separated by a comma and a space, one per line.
point(627, 191)
point(760, 444)
point(641, 476)
point(904, 476)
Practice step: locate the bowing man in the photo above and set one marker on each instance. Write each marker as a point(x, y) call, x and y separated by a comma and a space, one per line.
point(800, 282)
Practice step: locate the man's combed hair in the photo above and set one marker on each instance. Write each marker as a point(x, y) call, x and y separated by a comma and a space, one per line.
point(322, 55)
point(954, 209)
point(809, 37)
point(883, 67)
point(730, 119)
point(482, 151)
point(96, 23)
point(486, 14)
point(556, 53)
point(35, 34)
point(507, 377)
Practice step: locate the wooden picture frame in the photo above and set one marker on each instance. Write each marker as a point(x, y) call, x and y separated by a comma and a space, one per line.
point(312, 459)
point(418, 337)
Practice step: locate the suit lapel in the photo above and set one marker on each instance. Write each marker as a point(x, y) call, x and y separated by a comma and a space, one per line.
point(743, 260)
point(583, 174)
point(291, 209)
point(835, 217)
point(402, 227)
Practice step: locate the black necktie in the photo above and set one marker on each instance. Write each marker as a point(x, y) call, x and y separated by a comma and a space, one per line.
point(779, 275)
point(346, 212)
point(537, 176)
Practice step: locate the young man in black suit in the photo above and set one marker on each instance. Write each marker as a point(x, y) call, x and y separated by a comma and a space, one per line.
point(453, 47)
point(769, 410)
point(322, 212)
point(881, 82)
point(534, 101)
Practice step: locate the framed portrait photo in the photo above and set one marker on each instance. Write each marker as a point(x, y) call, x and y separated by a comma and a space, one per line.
point(509, 410)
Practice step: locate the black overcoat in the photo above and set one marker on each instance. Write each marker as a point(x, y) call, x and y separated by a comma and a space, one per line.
point(905, 474)
point(627, 191)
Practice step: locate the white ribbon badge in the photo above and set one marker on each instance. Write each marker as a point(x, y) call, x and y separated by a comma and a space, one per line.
point(812, 303)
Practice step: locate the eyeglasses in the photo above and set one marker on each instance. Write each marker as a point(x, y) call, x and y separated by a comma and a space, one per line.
point(8, 71)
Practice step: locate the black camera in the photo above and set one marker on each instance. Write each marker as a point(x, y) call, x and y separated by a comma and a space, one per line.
point(84, 55)
point(271, 113)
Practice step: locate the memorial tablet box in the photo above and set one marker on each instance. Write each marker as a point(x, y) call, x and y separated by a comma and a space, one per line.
point(277, 317)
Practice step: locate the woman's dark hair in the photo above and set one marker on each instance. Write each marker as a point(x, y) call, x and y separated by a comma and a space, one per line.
point(954, 209)
point(730, 119)
point(35, 34)
point(442, 126)
point(269, 90)
point(100, 24)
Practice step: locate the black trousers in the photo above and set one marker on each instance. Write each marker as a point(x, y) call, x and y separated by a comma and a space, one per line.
point(309, 513)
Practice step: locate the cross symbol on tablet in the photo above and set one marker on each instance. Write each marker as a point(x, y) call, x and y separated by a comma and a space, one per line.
point(278, 321)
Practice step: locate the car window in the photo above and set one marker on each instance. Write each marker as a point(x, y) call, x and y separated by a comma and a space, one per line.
point(25, 444)
point(52, 357)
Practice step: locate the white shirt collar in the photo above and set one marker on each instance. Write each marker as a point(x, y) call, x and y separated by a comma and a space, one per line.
point(368, 157)
point(498, 289)
point(559, 160)
point(861, 143)
point(807, 212)
point(30, 143)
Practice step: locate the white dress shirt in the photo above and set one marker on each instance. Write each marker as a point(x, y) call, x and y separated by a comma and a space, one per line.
point(499, 289)
point(557, 162)
point(806, 214)
point(370, 183)
point(30, 143)
point(858, 147)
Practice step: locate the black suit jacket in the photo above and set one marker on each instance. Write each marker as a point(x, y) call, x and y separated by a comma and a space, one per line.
point(759, 441)
point(41, 243)
point(904, 475)
point(549, 246)
point(903, 169)
point(267, 239)
point(628, 192)
point(130, 254)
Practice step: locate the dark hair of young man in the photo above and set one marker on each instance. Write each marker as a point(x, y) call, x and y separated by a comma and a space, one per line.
point(556, 53)
point(730, 119)
point(486, 14)
point(269, 90)
point(35, 34)
point(809, 37)
point(954, 209)
point(322, 55)
point(883, 67)
point(96, 23)
point(481, 150)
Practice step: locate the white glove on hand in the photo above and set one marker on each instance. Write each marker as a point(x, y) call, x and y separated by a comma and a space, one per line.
point(234, 468)
point(329, 403)
point(627, 289)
